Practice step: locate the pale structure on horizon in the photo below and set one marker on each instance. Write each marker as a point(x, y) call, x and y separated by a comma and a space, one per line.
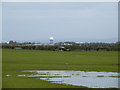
point(51, 40)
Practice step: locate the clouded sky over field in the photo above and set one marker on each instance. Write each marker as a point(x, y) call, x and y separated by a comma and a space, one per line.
point(79, 22)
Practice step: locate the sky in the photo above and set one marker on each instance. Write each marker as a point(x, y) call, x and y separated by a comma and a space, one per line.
point(0, 21)
point(70, 21)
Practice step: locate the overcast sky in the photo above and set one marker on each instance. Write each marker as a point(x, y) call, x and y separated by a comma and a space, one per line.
point(79, 22)
point(0, 21)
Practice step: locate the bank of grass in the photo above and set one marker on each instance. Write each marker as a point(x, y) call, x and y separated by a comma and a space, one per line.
point(15, 61)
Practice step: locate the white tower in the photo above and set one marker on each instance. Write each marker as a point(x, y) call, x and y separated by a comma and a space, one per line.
point(51, 40)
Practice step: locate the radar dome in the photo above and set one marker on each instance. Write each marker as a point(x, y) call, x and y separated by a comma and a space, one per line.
point(51, 38)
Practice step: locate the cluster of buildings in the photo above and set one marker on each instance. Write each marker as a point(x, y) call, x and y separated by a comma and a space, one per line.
point(61, 45)
point(51, 42)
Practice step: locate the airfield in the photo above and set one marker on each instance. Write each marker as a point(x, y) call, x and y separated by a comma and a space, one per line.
point(15, 61)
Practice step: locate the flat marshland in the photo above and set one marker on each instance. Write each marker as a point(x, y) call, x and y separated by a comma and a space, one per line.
point(16, 61)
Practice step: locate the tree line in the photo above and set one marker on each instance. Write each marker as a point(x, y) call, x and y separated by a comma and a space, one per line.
point(75, 47)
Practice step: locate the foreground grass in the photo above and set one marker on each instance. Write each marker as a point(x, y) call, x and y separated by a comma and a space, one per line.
point(15, 61)
point(0, 68)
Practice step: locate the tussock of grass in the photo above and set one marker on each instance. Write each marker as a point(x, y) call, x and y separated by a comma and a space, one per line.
point(115, 76)
point(100, 76)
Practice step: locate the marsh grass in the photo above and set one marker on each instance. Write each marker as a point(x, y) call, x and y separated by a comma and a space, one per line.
point(16, 61)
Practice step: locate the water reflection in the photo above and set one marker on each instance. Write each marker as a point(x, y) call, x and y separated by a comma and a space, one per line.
point(78, 78)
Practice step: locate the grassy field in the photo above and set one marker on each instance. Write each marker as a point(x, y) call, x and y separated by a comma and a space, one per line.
point(15, 61)
point(0, 68)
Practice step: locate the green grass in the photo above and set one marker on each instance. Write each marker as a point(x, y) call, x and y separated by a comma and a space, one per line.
point(15, 61)
point(0, 68)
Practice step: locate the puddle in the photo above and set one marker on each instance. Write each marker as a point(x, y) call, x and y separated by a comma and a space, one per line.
point(77, 78)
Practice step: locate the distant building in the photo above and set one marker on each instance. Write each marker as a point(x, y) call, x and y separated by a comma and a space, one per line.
point(51, 40)
point(66, 43)
point(37, 44)
point(62, 48)
point(12, 42)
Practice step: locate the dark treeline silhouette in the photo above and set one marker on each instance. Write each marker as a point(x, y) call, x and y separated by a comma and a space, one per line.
point(71, 47)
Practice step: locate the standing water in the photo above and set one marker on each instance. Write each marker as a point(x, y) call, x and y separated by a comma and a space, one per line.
point(77, 78)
